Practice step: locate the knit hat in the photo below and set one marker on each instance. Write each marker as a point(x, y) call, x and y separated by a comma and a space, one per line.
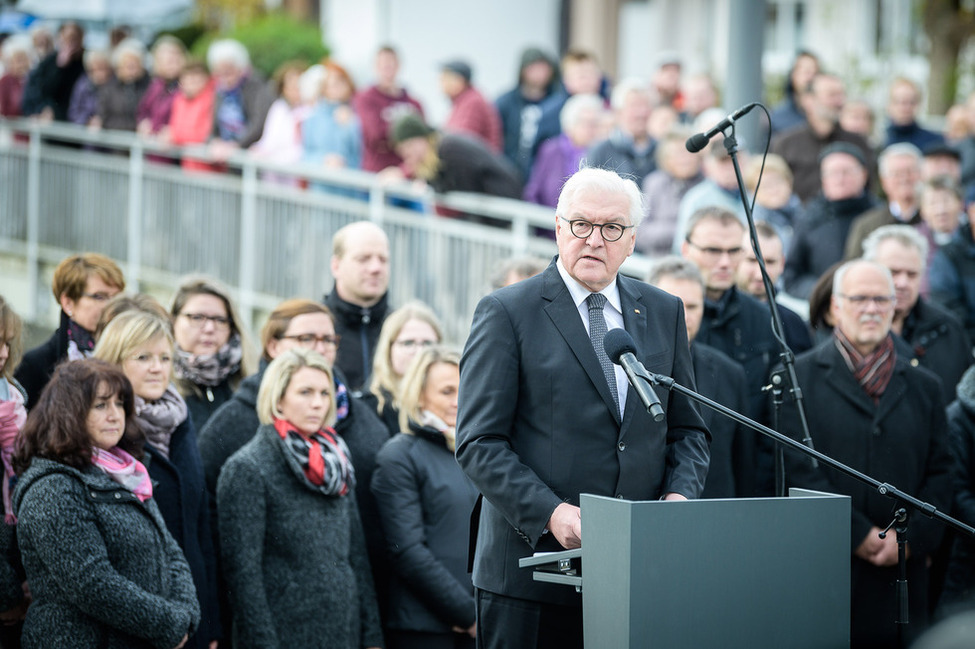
point(847, 148)
point(459, 68)
point(408, 127)
point(533, 55)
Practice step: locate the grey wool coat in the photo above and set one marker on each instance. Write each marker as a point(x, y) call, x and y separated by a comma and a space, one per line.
point(294, 559)
point(102, 567)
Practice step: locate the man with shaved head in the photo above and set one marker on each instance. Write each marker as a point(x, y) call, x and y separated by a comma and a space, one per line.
point(360, 267)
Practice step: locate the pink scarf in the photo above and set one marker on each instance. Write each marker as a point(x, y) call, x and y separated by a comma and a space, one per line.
point(125, 470)
point(13, 414)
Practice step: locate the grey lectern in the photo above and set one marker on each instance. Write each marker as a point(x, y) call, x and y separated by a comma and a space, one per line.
point(741, 573)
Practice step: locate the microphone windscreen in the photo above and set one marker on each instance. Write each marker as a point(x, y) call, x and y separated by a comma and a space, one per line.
point(696, 142)
point(617, 342)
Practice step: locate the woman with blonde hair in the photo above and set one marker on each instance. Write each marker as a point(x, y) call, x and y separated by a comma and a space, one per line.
point(83, 284)
point(212, 350)
point(406, 331)
point(425, 501)
point(301, 323)
point(141, 344)
point(292, 545)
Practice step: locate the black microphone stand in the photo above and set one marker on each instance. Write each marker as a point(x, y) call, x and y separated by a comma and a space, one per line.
point(902, 500)
point(785, 354)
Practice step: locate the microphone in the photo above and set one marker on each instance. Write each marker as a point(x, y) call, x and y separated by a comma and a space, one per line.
point(697, 142)
point(620, 348)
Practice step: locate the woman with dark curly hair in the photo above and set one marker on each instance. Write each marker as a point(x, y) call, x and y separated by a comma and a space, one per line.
point(102, 568)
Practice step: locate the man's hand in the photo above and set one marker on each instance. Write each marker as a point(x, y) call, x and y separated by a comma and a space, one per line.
point(565, 524)
point(880, 552)
point(673, 495)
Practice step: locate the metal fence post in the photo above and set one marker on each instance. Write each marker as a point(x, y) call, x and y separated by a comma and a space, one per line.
point(134, 256)
point(33, 223)
point(248, 241)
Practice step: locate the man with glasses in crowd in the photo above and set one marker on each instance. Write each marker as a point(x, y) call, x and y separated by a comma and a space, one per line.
point(544, 415)
point(869, 408)
point(734, 322)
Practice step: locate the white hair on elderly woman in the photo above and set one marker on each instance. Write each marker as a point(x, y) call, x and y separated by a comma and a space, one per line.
point(228, 50)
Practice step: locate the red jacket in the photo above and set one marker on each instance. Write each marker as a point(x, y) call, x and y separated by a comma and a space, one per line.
point(475, 115)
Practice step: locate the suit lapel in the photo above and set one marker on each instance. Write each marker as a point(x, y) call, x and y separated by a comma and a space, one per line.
point(893, 393)
point(565, 316)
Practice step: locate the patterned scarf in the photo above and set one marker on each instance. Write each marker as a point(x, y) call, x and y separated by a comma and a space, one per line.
point(322, 459)
point(125, 470)
point(158, 419)
point(81, 342)
point(210, 369)
point(872, 371)
point(430, 420)
point(13, 414)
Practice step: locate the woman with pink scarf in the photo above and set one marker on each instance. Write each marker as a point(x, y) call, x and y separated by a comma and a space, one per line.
point(14, 596)
point(103, 569)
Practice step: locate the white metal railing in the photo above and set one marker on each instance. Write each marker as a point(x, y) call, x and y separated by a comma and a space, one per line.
point(68, 189)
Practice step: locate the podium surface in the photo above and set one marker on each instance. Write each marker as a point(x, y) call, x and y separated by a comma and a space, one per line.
point(755, 573)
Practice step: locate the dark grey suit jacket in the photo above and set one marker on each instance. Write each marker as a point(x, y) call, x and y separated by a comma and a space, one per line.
point(537, 425)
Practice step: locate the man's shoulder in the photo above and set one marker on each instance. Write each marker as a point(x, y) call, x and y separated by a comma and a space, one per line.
point(706, 355)
point(933, 315)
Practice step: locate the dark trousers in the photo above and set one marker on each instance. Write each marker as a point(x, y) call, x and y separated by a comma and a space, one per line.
point(510, 623)
point(396, 639)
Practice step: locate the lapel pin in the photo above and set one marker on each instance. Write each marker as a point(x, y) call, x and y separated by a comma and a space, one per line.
point(636, 310)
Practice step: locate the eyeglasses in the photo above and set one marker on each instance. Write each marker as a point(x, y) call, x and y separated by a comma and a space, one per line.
point(197, 320)
point(145, 360)
point(99, 297)
point(410, 344)
point(861, 301)
point(310, 340)
point(581, 229)
point(716, 252)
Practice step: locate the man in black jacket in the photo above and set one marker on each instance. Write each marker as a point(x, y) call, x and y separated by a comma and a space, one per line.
point(936, 338)
point(360, 266)
point(732, 470)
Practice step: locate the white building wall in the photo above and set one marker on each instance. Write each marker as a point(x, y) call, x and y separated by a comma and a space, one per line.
point(490, 36)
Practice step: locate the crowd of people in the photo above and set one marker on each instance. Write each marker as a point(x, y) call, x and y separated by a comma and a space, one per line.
point(342, 516)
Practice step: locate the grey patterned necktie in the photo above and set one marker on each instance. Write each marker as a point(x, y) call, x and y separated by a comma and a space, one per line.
point(597, 331)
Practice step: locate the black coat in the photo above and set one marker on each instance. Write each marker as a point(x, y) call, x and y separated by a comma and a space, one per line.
point(50, 86)
point(425, 502)
point(102, 567)
point(467, 165)
point(959, 588)
point(203, 402)
point(359, 328)
point(939, 343)
point(37, 366)
point(901, 440)
point(180, 493)
point(739, 326)
point(731, 472)
point(819, 240)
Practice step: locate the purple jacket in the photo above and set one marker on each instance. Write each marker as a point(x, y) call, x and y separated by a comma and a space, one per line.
point(557, 159)
point(157, 103)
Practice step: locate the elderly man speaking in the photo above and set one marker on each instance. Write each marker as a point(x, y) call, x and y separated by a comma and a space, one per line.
point(544, 415)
